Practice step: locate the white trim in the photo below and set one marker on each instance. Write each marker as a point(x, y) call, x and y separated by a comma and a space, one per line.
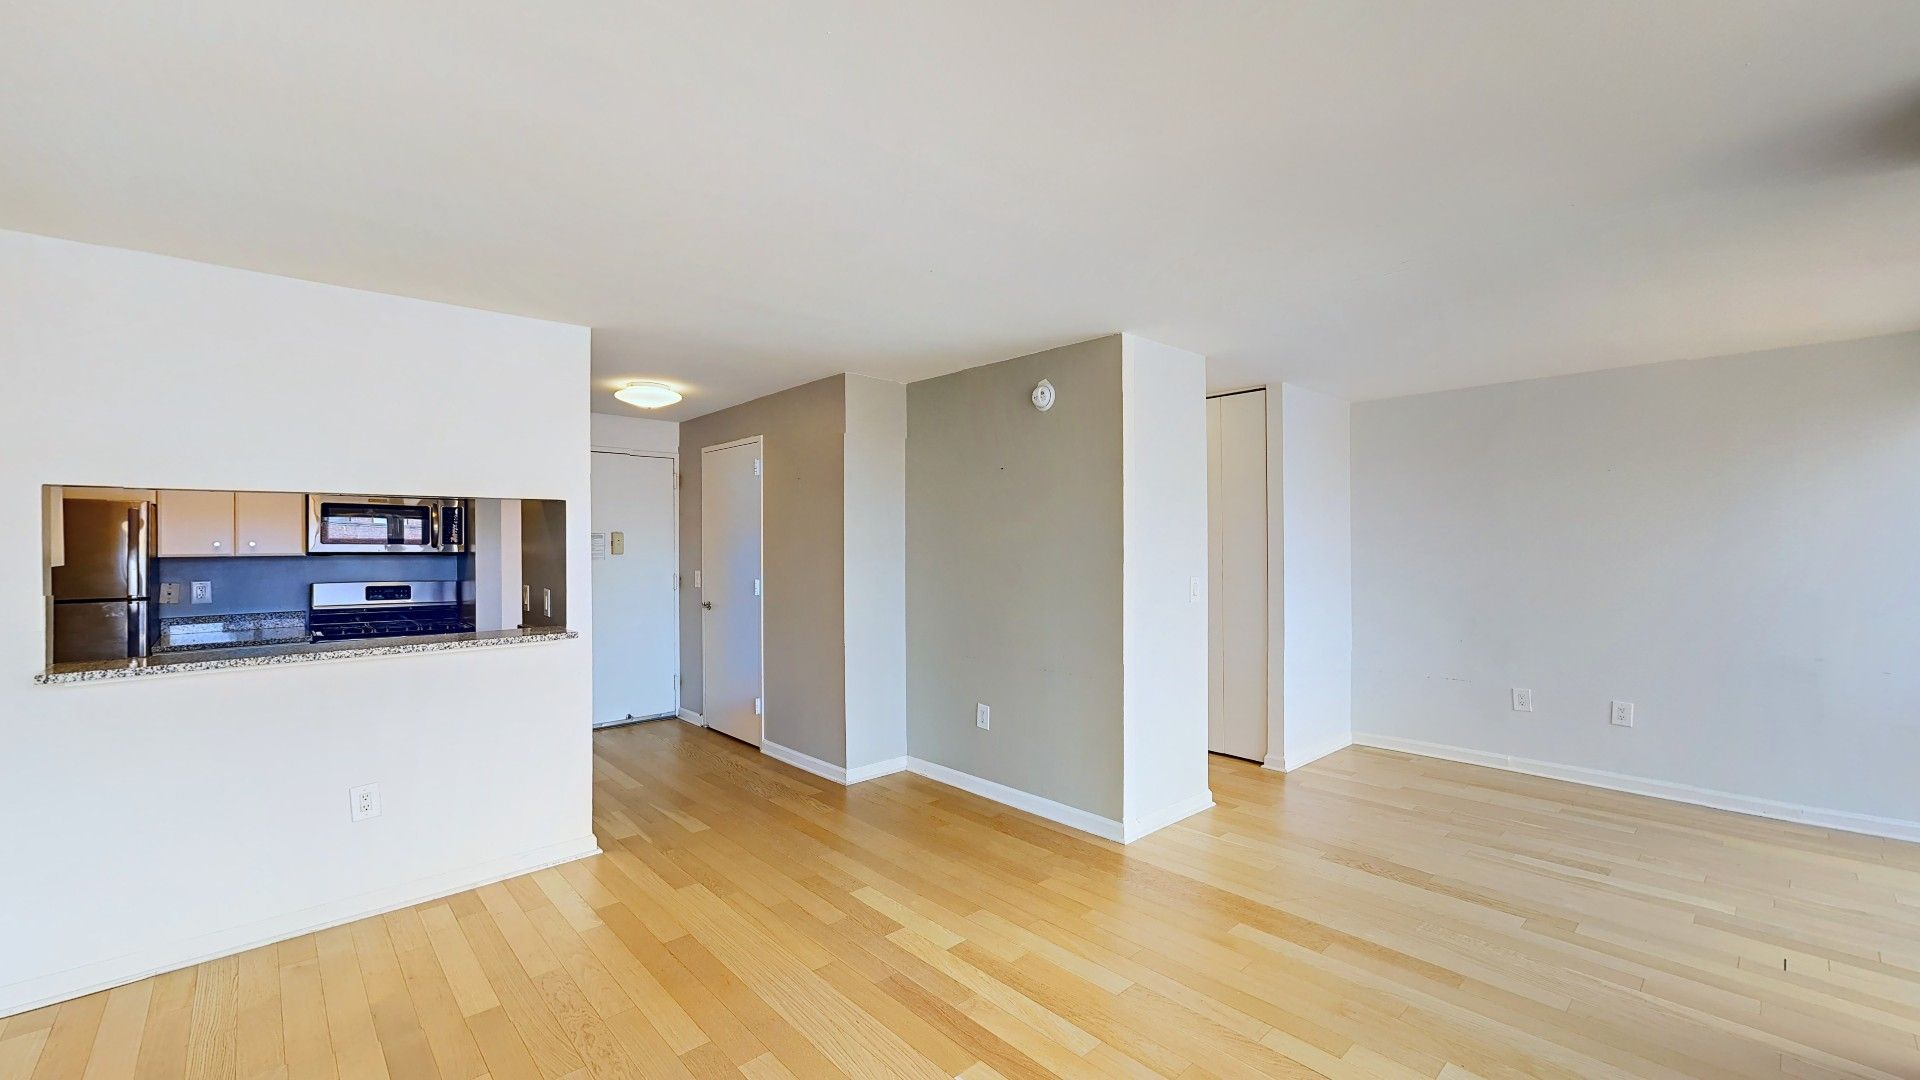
point(1060, 813)
point(1071, 816)
point(673, 455)
point(1180, 811)
point(803, 762)
point(760, 495)
point(629, 720)
point(119, 970)
point(692, 717)
point(862, 773)
point(732, 444)
point(1844, 820)
point(1289, 762)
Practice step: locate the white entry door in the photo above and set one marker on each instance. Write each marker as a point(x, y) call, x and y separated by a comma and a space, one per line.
point(731, 589)
point(1237, 549)
point(636, 620)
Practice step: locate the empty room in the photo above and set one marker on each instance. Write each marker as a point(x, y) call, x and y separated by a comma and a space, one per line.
point(960, 539)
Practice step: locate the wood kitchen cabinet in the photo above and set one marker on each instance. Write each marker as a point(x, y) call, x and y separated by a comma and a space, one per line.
point(269, 523)
point(195, 524)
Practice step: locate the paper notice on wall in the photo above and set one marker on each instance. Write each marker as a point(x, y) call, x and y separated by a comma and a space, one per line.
point(599, 545)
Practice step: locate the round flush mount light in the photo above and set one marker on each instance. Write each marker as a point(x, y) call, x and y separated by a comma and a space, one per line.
point(647, 395)
point(1043, 396)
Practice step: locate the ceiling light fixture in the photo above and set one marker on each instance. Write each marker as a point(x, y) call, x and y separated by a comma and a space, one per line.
point(647, 395)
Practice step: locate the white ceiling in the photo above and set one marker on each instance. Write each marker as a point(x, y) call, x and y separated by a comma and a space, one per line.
point(1368, 198)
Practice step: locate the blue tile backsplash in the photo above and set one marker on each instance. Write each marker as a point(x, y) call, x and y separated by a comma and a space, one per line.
point(247, 585)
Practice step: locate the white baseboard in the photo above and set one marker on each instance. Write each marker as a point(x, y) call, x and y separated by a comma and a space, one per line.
point(1060, 813)
point(1071, 816)
point(692, 717)
point(1142, 824)
point(624, 721)
point(858, 773)
point(803, 762)
point(1290, 762)
point(1843, 820)
point(106, 974)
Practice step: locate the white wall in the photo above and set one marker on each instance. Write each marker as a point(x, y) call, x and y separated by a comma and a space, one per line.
point(1164, 559)
point(1311, 451)
point(151, 822)
point(875, 461)
point(1732, 544)
point(496, 564)
point(642, 433)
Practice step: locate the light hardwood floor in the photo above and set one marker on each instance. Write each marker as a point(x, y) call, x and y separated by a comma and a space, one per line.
point(1373, 915)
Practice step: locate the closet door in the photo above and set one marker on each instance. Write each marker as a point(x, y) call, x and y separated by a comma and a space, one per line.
point(1237, 548)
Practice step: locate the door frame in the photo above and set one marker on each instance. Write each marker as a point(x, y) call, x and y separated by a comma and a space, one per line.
point(760, 498)
point(673, 459)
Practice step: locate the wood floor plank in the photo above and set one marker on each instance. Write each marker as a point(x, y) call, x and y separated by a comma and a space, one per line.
point(1373, 916)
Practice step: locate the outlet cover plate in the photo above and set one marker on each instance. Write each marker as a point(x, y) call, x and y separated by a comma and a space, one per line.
point(1622, 715)
point(364, 801)
point(983, 717)
point(1522, 699)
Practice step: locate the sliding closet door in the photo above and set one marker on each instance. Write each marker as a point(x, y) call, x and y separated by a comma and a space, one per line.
point(1237, 555)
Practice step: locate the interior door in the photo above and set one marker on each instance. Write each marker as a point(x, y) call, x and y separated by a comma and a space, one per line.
point(731, 589)
point(1237, 546)
point(636, 622)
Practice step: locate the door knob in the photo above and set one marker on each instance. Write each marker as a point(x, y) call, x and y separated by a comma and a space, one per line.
point(708, 604)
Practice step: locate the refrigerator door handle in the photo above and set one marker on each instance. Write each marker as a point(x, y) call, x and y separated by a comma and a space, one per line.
point(136, 537)
point(136, 628)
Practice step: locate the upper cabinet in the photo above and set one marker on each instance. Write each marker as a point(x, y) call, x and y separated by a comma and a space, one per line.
point(195, 524)
point(198, 524)
point(269, 523)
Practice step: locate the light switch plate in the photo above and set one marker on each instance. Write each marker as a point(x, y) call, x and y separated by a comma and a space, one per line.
point(618, 542)
point(983, 717)
point(169, 592)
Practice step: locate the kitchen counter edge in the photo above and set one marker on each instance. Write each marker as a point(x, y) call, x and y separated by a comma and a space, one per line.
point(264, 656)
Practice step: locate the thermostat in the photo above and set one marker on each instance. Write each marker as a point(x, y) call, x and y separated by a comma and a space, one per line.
point(1043, 396)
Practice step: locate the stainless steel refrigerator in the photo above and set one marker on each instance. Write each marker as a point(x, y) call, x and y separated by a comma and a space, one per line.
point(100, 588)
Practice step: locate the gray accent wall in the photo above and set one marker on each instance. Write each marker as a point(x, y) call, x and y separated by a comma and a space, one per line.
point(804, 536)
point(1014, 575)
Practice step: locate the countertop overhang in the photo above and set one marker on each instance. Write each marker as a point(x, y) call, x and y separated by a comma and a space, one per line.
point(294, 653)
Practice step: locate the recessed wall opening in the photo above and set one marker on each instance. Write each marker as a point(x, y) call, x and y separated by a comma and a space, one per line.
point(158, 576)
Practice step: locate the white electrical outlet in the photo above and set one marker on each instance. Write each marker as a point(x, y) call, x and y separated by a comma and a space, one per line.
point(203, 592)
point(1522, 699)
point(983, 717)
point(364, 801)
point(1622, 714)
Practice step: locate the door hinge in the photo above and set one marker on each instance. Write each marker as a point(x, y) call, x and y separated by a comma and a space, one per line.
point(756, 586)
point(756, 466)
point(676, 583)
point(758, 707)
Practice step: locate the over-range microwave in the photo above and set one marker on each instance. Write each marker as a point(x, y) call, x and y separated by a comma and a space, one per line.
point(382, 524)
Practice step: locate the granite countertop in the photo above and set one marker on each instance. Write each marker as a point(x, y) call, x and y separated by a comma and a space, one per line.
point(208, 659)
